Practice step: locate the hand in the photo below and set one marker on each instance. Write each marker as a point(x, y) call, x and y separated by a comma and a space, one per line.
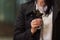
point(35, 24)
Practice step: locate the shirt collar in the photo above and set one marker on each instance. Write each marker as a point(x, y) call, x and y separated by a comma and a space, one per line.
point(41, 9)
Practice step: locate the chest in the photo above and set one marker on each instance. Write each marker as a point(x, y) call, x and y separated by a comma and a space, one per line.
point(47, 20)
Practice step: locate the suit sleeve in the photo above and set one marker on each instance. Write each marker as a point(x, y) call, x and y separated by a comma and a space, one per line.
point(20, 33)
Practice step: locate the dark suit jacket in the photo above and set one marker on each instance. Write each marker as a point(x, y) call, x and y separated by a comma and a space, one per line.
point(22, 25)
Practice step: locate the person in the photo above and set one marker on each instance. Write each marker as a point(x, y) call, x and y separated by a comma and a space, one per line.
point(26, 26)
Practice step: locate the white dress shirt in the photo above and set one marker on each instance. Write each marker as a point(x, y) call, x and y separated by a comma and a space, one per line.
point(47, 23)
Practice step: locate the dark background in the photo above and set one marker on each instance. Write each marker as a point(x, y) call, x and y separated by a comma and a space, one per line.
point(8, 14)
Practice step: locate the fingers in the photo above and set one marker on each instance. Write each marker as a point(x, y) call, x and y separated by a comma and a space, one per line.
point(36, 23)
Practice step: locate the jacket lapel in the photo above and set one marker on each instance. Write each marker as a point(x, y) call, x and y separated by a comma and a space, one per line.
point(55, 13)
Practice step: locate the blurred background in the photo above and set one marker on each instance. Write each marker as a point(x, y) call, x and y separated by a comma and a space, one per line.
point(8, 13)
point(7, 17)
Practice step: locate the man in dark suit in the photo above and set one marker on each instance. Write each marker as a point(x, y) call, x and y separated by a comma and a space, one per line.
point(26, 25)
